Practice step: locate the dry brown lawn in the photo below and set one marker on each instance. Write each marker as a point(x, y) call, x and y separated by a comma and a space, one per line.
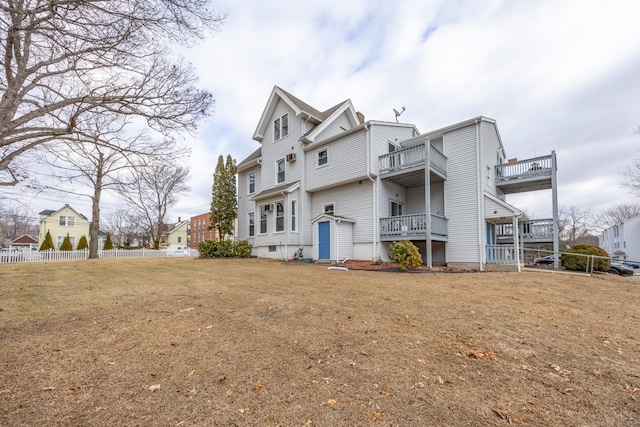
point(189, 342)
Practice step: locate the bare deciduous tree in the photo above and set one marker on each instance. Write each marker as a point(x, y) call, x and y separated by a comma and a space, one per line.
point(127, 228)
point(152, 190)
point(631, 177)
point(99, 159)
point(575, 225)
point(64, 59)
point(617, 214)
point(15, 221)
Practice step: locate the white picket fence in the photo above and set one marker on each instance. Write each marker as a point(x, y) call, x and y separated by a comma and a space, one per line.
point(62, 256)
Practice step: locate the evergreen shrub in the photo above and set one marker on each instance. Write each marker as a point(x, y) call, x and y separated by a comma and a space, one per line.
point(406, 254)
point(83, 244)
point(48, 242)
point(579, 263)
point(108, 244)
point(66, 244)
point(224, 249)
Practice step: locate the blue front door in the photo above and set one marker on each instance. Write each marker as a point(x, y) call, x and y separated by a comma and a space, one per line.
point(324, 240)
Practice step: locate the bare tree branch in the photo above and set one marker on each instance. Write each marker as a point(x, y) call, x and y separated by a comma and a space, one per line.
point(65, 59)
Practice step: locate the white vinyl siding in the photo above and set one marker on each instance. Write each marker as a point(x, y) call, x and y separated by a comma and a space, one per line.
point(490, 154)
point(353, 201)
point(461, 201)
point(342, 121)
point(347, 162)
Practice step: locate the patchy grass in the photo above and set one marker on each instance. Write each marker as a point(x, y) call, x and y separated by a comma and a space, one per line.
point(192, 342)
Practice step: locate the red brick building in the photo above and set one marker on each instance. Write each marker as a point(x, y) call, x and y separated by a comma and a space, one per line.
point(199, 230)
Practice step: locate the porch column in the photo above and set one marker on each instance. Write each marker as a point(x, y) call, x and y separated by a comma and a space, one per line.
point(516, 240)
point(554, 195)
point(427, 199)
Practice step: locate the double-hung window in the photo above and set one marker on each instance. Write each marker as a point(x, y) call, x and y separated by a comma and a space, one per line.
point(294, 208)
point(252, 224)
point(281, 127)
point(279, 216)
point(67, 221)
point(263, 219)
point(323, 158)
point(252, 183)
point(280, 172)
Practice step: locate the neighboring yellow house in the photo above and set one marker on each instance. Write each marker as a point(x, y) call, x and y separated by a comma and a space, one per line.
point(178, 235)
point(62, 222)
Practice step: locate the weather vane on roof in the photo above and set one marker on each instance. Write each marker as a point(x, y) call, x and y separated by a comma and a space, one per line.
point(398, 113)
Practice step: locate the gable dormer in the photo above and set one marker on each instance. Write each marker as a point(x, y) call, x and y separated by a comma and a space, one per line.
point(340, 118)
point(300, 109)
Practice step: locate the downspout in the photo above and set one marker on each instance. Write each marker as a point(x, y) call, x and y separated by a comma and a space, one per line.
point(337, 241)
point(367, 127)
point(480, 211)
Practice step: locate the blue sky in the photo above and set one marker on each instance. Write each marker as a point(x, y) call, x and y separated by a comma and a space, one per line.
point(555, 75)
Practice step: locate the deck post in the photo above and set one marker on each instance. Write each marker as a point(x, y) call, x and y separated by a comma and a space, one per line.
point(554, 196)
point(427, 200)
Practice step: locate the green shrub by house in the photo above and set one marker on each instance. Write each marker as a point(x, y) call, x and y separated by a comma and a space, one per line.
point(83, 244)
point(108, 244)
point(66, 244)
point(579, 263)
point(224, 249)
point(406, 254)
point(48, 242)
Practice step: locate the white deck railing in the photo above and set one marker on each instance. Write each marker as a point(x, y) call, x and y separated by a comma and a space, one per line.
point(412, 225)
point(413, 156)
point(501, 254)
point(535, 229)
point(529, 168)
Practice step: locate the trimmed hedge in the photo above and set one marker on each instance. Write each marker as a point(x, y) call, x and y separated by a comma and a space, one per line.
point(406, 254)
point(224, 249)
point(579, 263)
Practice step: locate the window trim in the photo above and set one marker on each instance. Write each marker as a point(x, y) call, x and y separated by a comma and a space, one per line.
point(400, 207)
point(263, 209)
point(277, 217)
point(280, 127)
point(293, 215)
point(251, 232)
point(324, 208)
point(251, 175)
point(326, 157)
point(284, 171)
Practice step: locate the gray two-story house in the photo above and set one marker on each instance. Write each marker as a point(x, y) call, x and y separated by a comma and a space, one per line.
point(331, 185)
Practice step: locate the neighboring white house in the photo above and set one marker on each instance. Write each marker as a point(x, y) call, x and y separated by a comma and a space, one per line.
point(622, 241)
point(329, 185)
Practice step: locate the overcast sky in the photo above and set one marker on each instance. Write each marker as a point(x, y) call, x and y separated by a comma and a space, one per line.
point(555, 75)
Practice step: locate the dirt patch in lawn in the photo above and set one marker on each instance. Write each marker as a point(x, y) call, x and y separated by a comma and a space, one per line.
point(189, 342)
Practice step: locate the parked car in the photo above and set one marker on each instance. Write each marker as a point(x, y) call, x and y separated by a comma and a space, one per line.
point(11, 255)
point(631, 264)
point(620, 269)
point(549, 259)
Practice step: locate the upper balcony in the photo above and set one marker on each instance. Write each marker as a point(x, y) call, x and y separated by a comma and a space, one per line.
point(526, 175)
point(406, 166)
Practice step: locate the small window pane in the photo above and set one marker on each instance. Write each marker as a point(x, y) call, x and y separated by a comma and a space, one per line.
point(322, 157)
point(276, 129)
point(285, 125)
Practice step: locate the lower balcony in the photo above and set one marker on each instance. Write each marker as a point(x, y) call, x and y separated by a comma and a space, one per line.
point(534, 231)
point(412, 227)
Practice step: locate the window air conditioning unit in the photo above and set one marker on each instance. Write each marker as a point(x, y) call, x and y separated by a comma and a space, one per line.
point(268, 208)
point(291, 157)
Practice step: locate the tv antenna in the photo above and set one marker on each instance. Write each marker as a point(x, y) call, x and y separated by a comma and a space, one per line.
point(397, 113)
